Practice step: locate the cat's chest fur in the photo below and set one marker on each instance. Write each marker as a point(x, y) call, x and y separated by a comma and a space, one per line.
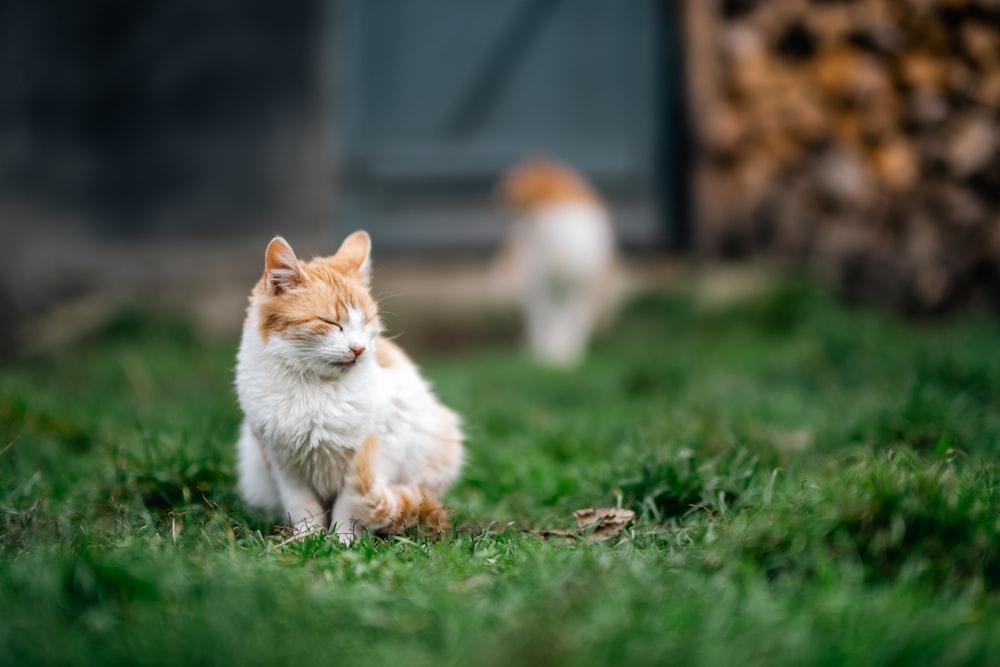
point(307, 424)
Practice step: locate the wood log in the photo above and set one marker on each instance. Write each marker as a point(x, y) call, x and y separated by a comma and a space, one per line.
point(878, 115)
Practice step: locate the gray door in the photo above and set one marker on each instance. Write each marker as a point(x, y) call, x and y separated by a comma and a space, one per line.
point(436, 98)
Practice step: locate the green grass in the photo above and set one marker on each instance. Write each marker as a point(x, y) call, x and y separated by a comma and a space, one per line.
point(813, 485)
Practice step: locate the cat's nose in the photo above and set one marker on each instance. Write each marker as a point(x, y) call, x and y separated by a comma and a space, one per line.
point(357, 350)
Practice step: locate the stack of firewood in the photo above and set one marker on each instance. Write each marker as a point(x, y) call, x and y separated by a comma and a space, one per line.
point(862, 136)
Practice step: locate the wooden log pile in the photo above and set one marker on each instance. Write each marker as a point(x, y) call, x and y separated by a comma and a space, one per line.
point(859, 136)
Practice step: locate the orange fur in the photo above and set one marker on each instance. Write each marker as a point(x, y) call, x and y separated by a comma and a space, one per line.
point(541, 181)
point(323, 288)
point(364, 466)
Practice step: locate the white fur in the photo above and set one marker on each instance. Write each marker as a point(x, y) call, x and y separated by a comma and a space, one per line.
point(310, 417)
point(564, 255)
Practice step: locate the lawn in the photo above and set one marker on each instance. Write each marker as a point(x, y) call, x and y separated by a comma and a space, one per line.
point(813, 484)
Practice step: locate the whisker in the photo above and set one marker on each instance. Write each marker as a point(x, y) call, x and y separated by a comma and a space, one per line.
point(385, 297)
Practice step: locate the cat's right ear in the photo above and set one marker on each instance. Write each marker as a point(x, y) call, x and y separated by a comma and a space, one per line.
point(281, 267)
point(355, 254)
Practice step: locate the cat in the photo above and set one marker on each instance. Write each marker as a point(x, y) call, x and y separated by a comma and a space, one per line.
point(559, 257)
point(341, 431)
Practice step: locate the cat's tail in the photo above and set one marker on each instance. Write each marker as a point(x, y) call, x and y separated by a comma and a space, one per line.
point(390, 508)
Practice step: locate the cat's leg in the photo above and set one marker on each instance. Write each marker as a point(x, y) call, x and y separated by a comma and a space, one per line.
point(343, 521)
point(368, 502)
point(557, 325)
point(256, 483)
point(539, 322)
point(301, 506)
point(578, 317)
point(347, 513)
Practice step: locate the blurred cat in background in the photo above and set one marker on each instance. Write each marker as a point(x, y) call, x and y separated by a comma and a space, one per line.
point(559, 258)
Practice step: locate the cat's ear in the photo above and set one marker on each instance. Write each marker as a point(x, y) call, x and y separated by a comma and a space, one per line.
point(281, 267)
point(355, 254)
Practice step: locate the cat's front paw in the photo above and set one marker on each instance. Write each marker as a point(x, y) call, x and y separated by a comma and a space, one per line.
point(306, 527)
point(348, 533)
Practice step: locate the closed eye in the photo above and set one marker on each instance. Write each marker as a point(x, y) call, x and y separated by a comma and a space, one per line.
point(330, 322)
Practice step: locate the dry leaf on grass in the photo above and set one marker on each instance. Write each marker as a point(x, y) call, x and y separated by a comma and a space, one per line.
point(593, 525)
point(607, 521)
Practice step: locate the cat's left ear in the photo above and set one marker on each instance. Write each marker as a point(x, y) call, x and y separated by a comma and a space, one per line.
point(355, 254)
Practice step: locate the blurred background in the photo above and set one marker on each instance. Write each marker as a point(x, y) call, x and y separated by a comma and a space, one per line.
point(148, 151)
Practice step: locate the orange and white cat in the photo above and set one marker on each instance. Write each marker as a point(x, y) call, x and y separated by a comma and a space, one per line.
point(341, 431)
point(559, 256)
